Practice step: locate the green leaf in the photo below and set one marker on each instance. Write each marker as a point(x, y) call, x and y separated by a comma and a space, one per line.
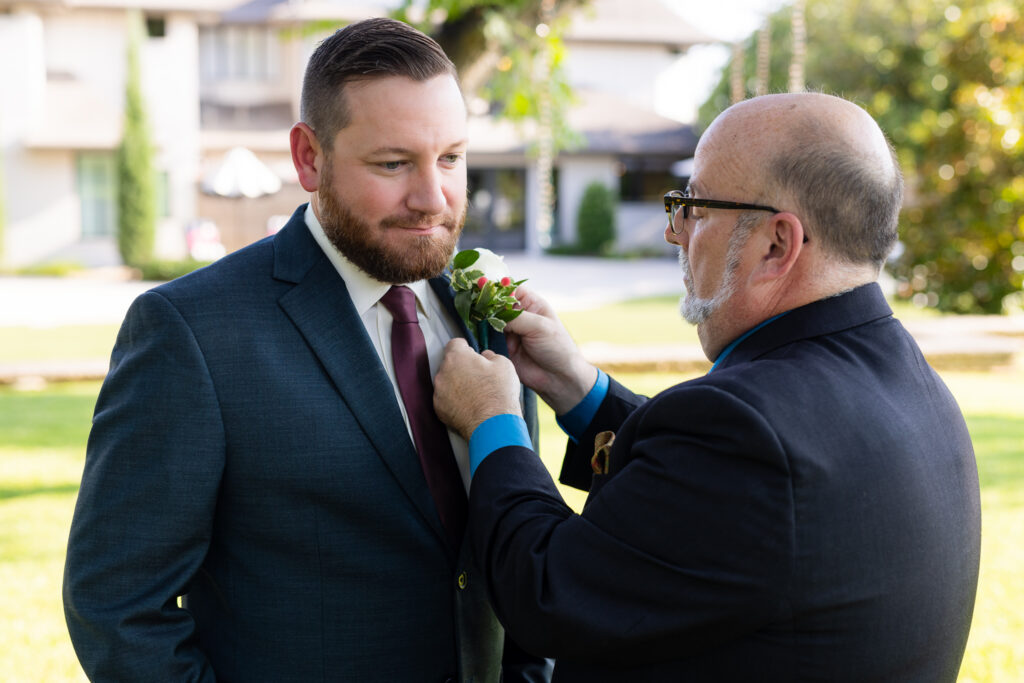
point(508, 314)
point(465, 258)
point(460, 282)
point(463, 303)
point(497, 324)
point(486, 297)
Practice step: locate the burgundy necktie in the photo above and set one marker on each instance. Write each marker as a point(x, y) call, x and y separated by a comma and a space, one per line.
point(412, 370)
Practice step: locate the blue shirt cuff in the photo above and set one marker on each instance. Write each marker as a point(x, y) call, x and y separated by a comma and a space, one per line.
point(576, 421)
point(494, 433)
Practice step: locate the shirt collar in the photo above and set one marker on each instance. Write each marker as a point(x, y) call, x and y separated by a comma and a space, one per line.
point(736, 342)
point(364, 290)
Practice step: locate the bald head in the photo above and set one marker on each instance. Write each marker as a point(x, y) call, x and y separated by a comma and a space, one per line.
point(823, 158)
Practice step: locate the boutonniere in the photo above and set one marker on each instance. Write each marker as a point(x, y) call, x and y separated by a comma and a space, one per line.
point(483, 292)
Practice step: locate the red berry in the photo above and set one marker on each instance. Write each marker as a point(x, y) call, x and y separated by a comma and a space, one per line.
point(481, 282)
point(506, 281)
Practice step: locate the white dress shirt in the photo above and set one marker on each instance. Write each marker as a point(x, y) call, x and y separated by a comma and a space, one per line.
point(437, 328)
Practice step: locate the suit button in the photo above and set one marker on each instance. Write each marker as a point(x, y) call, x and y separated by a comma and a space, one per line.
point(463, 580)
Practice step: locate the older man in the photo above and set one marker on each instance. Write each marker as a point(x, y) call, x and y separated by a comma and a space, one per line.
point(806, 511)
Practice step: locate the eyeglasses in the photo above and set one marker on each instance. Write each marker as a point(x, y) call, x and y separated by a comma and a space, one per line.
point(676, 200)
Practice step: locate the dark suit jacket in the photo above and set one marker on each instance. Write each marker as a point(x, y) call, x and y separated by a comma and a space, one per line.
point(248, 454)
point(807, 511)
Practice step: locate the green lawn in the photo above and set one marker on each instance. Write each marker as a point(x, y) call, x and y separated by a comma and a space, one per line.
point(42, 442)
point(71, 342)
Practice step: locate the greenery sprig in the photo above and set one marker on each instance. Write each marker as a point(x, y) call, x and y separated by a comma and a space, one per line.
point(483, 297)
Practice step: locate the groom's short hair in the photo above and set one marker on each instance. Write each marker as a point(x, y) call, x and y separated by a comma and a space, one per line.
point(374, 48)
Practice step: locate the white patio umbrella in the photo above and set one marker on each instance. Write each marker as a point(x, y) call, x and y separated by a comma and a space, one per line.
point(240, 174)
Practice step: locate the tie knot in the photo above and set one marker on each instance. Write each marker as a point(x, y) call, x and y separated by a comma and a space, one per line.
point(402, 303)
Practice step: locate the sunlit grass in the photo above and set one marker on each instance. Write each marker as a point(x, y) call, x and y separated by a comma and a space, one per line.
point(71, 342)
point(42, 447)
point(654, 320)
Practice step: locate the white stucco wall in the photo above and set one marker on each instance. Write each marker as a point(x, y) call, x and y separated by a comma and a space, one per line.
point(170, 68)
point(35, 186)
point(630, 72)
point(43, 211)
point(641, 225)
point(89, 45)
point(86, 48)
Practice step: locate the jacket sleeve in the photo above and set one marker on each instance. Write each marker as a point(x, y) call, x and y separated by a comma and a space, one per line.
point(617, 405)
point(686, 546)
point(518, 665)
point(144, 514)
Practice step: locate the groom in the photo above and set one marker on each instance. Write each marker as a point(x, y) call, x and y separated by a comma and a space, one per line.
point(261, 500)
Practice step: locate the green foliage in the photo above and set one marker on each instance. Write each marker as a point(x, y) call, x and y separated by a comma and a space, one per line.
point(946, 82)
point(595, 221)
point(505, 38)
point(169, 270)
point(50, 269)
point(136, 180)
point(493, 303)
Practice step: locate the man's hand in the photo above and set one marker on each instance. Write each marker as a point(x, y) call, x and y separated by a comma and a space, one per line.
point(472, 387)
point(545, 356)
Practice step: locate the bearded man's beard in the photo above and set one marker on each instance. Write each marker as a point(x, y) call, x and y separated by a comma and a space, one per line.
point(425, 257)
point(697, 310)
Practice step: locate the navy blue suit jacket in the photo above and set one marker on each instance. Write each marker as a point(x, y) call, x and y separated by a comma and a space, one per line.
point(248, 454)
point(807, 511)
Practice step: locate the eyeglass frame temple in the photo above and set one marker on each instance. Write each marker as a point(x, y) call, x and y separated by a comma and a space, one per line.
point(673, 195)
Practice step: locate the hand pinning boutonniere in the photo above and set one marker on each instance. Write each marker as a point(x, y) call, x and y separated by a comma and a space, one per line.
point(483, 292)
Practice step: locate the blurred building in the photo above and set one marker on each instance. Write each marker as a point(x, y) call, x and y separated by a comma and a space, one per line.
point(219, 75)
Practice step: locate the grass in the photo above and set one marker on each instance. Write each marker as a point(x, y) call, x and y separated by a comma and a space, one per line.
point(42, 441)
point(653, 320)
point(71, 342)
point(42, 444)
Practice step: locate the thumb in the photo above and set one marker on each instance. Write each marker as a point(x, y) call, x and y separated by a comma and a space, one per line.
point(526, 323)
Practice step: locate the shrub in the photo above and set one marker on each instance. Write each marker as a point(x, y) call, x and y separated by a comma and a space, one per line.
point(595, 221)
point(136, 189)
point(169, 270)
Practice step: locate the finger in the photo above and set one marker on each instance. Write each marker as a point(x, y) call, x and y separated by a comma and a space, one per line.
point(526, 323)
point(455, 345)
point(529, 300)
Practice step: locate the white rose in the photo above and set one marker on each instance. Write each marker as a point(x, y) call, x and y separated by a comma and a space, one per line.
point(491, 265)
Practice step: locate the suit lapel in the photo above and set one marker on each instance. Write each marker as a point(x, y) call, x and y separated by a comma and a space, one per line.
point(442, 287)
point(320, 307)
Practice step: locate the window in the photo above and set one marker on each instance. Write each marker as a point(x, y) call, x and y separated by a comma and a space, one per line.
point(238, 53)
point(97, 190)
point(645, 181)
point(156, 27)
point(496, 217)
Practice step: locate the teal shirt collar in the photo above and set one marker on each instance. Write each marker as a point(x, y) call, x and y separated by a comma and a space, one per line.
point(738, 340)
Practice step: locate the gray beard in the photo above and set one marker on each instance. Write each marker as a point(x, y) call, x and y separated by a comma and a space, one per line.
point(697, 310)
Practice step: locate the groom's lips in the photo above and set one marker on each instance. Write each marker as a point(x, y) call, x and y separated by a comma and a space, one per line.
point(423, 229)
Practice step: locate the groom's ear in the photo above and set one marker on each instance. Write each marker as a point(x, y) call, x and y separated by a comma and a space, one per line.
point(307, 157)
